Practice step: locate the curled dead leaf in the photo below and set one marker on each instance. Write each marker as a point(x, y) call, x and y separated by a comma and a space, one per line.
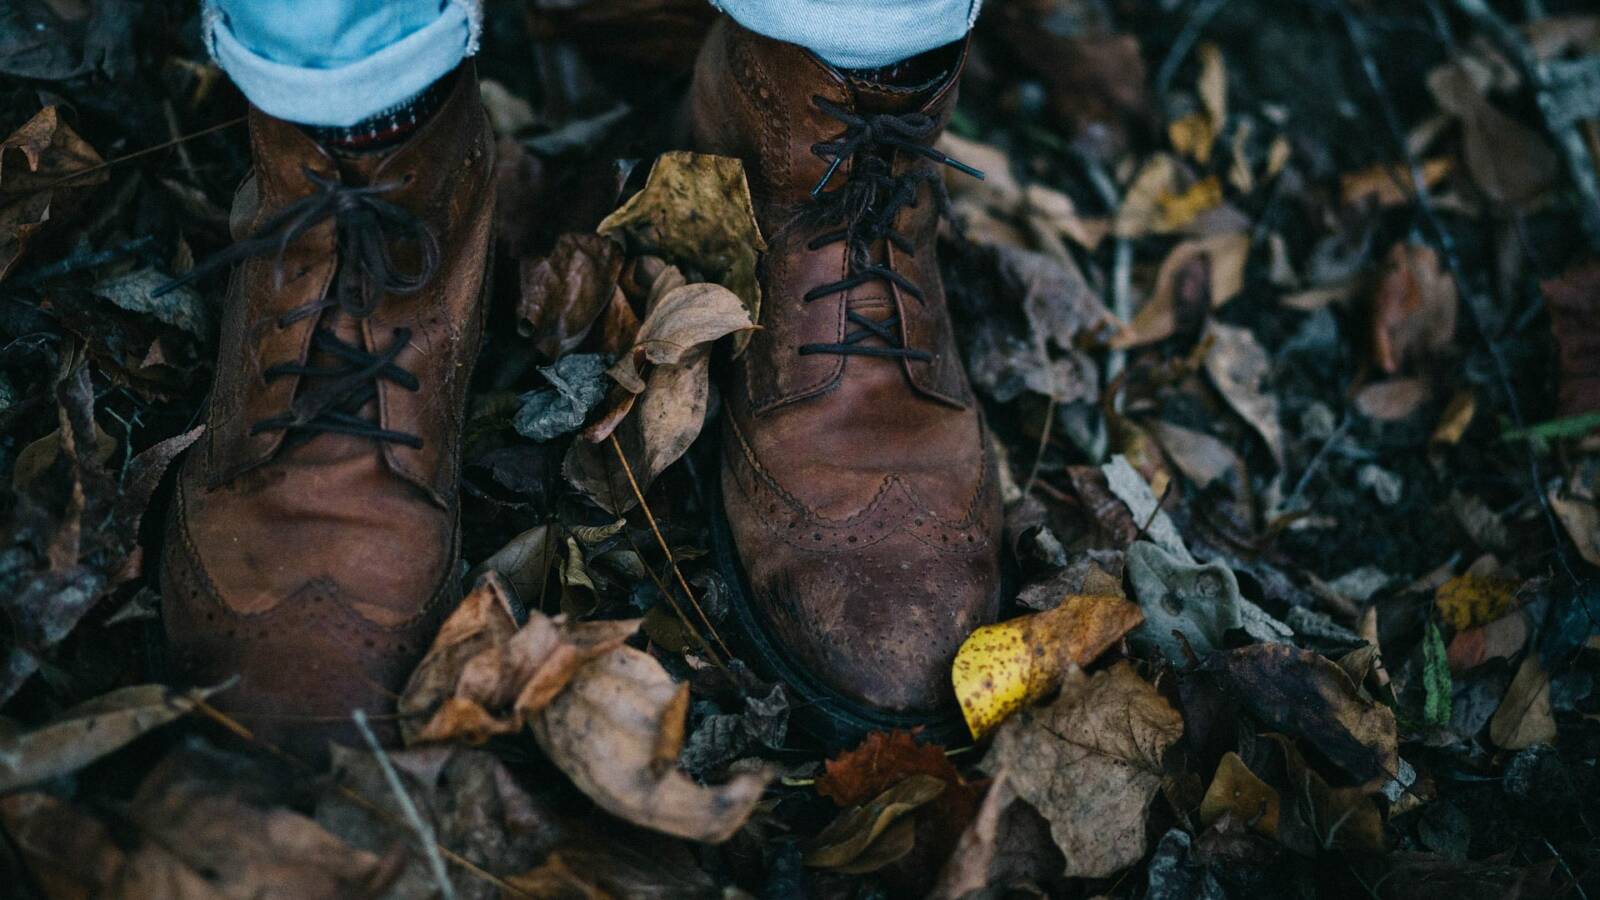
point(1413, 308)
point(1008, 666)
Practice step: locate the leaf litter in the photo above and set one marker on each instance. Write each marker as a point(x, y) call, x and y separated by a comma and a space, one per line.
point(1283, 326)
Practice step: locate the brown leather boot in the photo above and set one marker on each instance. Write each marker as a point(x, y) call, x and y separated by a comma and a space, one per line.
point(859, 491)
point(313, 544)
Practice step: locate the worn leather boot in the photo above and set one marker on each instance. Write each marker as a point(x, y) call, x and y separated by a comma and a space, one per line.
point(313, 544)
point(859, 491)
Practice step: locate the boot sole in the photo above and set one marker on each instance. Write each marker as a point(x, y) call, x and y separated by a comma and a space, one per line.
point(826, 716)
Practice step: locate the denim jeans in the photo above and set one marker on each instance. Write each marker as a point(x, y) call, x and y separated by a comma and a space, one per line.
point(336, 62)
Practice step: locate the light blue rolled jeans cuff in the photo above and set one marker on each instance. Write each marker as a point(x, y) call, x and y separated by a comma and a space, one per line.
point(337, 62)
point(857, 34)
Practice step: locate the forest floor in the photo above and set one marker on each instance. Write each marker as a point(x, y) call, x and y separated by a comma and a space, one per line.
point(1285, 319)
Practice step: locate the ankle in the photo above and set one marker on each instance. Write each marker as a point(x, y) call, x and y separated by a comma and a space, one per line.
point(385, 129)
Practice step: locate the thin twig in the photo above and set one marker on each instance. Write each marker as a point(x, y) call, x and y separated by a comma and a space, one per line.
point(424, 832)
point(238, 729)
point(661, 540)
point(145, 152)
point(1044, 444)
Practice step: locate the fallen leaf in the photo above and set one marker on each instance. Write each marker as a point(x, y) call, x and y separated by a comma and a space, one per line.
point(563, 294)
point(1501, 639)
point(1468, 600)
point(1011, 665)
point(1239, 367)
point(1510, 162)
point(631, 864)
point(1394, 399)
point(1204, 273)
point(1573, 299)
point(1524, 717)
point(1314, 817)
point(1199, 602)
point(873, 835)
point(969, 868)
point(882, 759)
point(1413, 307)
point(469, 798)
point(87, 732)
point(617, 701)
point(1304, 694)
point(1436, 682)
point(1202, 458)
point(32, 161)
point(695, 212)
point(577, 385)
point(1455, 420)
point(484, 676)
point(1237, 790)
point(1090, 763)
point(1388, 184)
point(674, 343)
point(1581, 518)
point(192, 831)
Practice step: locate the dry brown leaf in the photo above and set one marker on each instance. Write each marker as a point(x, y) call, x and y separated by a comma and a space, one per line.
point(1202, 458)
point(1314, 817)
point(881, 760)
point(1198, 275)
point(1455, 420)
point(1306, 695)
point(1500, 639)
point(669, 369)
point(1394, 399)
point(1510, 162)
point(968, 869)
point(1389, 184)
point(604, 731)
point(1413, 307)
point(1239, 367)
point(565, 293)
point(1524, 717)
point(1005, 667)
point(1090, 763)
point(695, 212)
point(1573, 299)
point(484, 676)
point(1237, 790)
point(87, 732)
point(33, 158)
point(875, 834)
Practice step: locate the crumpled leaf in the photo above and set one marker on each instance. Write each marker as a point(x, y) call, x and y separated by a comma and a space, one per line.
point(882, 759)
point(181, 307)
point(1413, 307)
point(484, 676)
point(87, 732)
point(470, 800)
point(1389, 184)
point(869, 837)
point(1306, 695)
point(1201, 602)
point(1240, 792)
point(1008, 666)
point(695, 211)
point(674, 344)
point(1239, 367)
point(1468, 600)
point(32, 159)
point(1500, 639)
point(1202, 458)
point(1524, 717)
point(1090, 763)
point(624, 702)
point(1314, 817)
point(563, 294)
point(193, 831)
point(577, 385)
point(969, 867)
point(1198, 275)
point(1162, 199)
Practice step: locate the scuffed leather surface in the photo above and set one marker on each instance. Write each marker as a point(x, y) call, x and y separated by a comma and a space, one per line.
point(319, 572)
point(860, 491)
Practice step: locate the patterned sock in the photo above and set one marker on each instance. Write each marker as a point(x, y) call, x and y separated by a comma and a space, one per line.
point(387, 129)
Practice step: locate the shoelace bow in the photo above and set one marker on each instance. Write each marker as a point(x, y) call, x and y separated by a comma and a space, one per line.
point(867, 205)
point(365, 226)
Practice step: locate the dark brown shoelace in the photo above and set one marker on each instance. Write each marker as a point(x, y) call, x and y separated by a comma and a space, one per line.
point(366, 225)
point(865, 209)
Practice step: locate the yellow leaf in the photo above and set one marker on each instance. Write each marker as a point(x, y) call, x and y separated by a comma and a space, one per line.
point(1455, 420)
point(1192, 135)
point(1214, 86)
point(1006, 666)
point(1468, 600)
point(1178, 210)
point(1391, 184)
